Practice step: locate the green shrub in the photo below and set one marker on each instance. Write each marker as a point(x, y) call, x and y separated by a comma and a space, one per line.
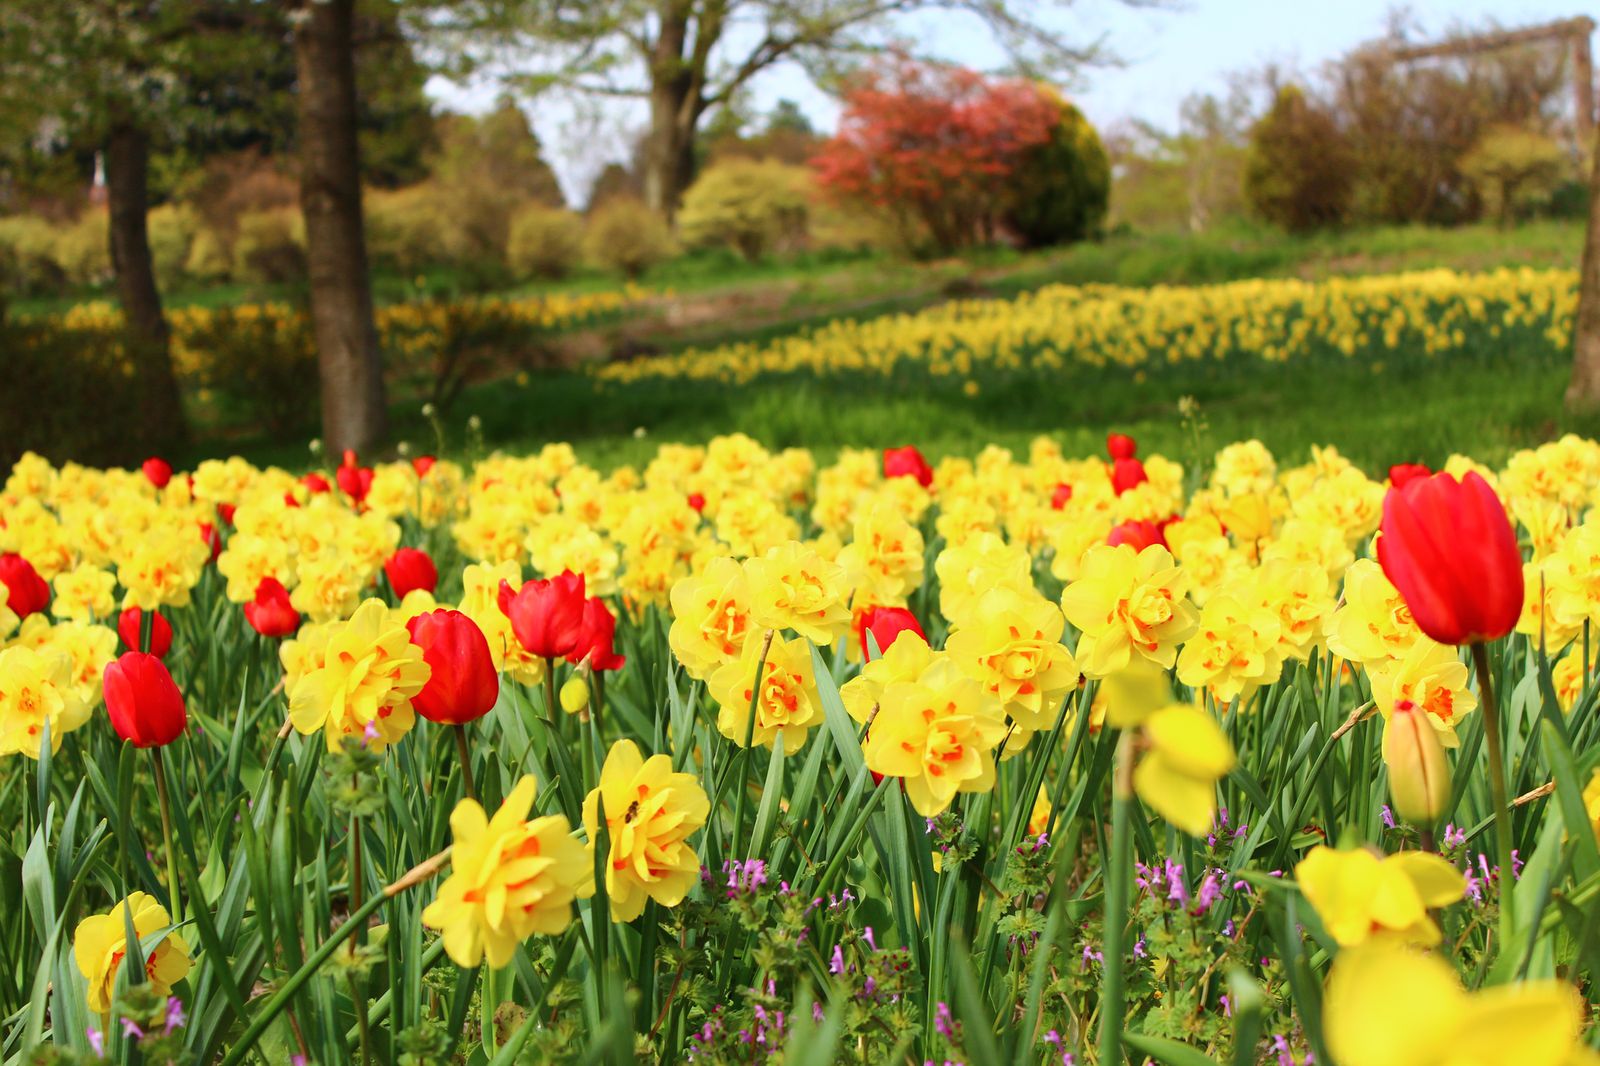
point(405, 228)
point(82, 249)
point(208, 258)
point(1514, 170)
point(46, 405)
point(260, 360)
point(544, 242)
point(27, 256)
point(1299, 173)
point(750, 205)
point(1060, 190)
point(270, 246)
point(623, 234)
point(172, 229)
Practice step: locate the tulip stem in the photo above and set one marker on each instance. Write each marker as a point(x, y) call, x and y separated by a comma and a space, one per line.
point(158, 761)
point(466, 761)
point(1113, 992)
point(550, 695)
point(358, 998)
point(1497, 791)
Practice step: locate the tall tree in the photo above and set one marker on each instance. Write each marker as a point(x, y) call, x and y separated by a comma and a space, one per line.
point(351, 367)
point(1583, 391)
point(685, 58)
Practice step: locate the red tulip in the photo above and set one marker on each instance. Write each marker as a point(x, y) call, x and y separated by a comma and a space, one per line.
point(697, 500)
point(130, 627)
point(1126, 473)
point(144, 702)
point(1059, 498)
point(597, 638)
point(422, 464)
point(411, 568)
point(546, 616)
point(289, 500)
point(271, 614)
point(1140, 534)
point(1401, 473)
point(463, 686)
point(316, 484)
point(27, 592)
point(1121, 446)
point(213, 539)
point(886, 624)
point(907, 462)
point(157, 471)
point(225, 511)
point(353, 478)
point(1449, 548)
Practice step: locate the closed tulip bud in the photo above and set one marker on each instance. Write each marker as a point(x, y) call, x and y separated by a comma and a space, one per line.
point(157, 471)
point(130, 627)
point(574, 695)
point(355, 480)
point(1061, 496)
point(422, 464)
point(697, 500)
point(1140, 534)
point(907, 462)
point(1449, 549)
point(316, 484)
point(1126, 473)
point(1120, 446)
point(463, 685)
point(546, 616)
point(1419, 775)
point(410, 569)
point(145, 705)
point(886, 624)
point(213, 539)
point(27, 592)
point(271, 614)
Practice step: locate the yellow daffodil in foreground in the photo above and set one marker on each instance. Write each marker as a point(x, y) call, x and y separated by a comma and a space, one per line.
point(1235, 650)
point(938, 735)
point(710, 617)
point(1177, 777)
point(100, 943)
point(1360, 896)
point(1126, 604)
point(650, 814)
point(788, 702)
point(1431, 677)
point(509, 879)
point(1387, 1005)
point(1012, 646)
point(793, 587)
point(36, 689)
point(362, 682)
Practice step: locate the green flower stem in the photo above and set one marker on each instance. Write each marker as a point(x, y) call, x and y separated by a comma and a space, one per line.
point(465, 756)
point(173, 892)
point(1113, 988)
point(1497, 790)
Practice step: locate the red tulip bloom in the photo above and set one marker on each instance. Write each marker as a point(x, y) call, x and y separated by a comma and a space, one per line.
point(144, 702)
point(213, 539)
point(1126, 473)
point(1121, 446)
point(157, 471)
point(546, 616)
point(130, 627)
point(411, 568)
point(1140, 534)
point(316, 484)
point(886, 624)
point(596, 641)
point(1449, 548)
point(463, 685)
point(1401, 473)
point(27, 592)
point(353, 478)
point(270, 613)
point(225, 511)
point(697, 500)
point(1062, 494)
point(907, 462)
point(422, 464)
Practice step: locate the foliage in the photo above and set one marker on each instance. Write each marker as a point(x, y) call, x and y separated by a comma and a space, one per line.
point(1514, 170)
point(1060, 189)
point(27, 255)
point(751, 206)
point(545, 242)
point(172, 229)
point(1298, 173)
point(933, 148)
point(624, 235)
point(258, 361)
point(270, 246)
point(82, 250)
point(46, 403)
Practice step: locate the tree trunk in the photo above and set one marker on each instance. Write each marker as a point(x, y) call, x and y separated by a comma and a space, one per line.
point(147, 335)
point(675, 108)
point(1583, 391)
point(353, 410)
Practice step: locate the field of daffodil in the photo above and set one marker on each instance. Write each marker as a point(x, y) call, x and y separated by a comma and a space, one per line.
point(735, 757)
point(1433, 314)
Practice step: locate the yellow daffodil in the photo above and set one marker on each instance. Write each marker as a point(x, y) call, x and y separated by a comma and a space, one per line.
point(1128, 603)
point(788, 702)
point(100, 943)
point(1011, 645)
point(792, 587)
point(711, 617)
point(650, 814)
point(1360, 896)
point(938, 736)
point(362, 681)
point(37, 691)
point(1430, 676)
point(1177, 776)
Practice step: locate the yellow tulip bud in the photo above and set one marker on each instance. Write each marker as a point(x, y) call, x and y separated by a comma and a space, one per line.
point(1419, 776)
point(574, 695)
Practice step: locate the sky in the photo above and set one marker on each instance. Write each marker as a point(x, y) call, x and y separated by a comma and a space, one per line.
point(1166, 53)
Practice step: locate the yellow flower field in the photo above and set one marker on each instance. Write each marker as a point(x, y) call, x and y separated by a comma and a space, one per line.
point(736, 756)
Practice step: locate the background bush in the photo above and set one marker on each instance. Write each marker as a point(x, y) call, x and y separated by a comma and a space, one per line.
point(48, 368)
point(27, 256)
point(270, 246)
point(626, 236)
point(544, 242)
point(261, 361)
point(1060, 189)
point(82, 250)
point(754, 206)
point(1299, 173)
point(172, 229)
